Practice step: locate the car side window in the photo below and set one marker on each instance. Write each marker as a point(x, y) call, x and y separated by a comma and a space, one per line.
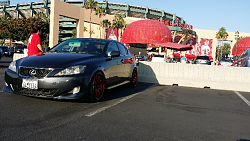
point(244, 54)
point(112, 47)
point(122, 49)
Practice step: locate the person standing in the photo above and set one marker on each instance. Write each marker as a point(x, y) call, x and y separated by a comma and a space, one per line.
point(35, 43)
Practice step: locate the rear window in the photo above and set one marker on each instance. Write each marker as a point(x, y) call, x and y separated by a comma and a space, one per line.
point(203, 57)
point(226, 60)
point(159, 56)
point(18, 48)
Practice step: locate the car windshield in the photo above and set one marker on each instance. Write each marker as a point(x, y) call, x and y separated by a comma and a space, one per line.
point(80, 46)
point(203, 57)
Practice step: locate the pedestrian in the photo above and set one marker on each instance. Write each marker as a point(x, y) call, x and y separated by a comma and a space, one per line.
point(183, 59)
point(35, 42)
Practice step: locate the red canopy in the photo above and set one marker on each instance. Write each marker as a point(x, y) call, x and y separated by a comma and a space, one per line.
point(175, 46)
point(242, 45)
point(191, 56)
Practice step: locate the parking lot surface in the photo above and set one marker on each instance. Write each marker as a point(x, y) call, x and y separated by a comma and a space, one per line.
point(147, 112)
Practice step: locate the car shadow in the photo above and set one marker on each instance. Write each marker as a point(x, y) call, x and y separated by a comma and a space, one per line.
point(124, 91)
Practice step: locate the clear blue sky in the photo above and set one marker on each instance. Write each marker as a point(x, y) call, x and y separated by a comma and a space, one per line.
point(210, 14)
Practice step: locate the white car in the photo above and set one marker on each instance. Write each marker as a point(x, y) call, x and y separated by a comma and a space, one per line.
point(226, 62)
point(159, 58)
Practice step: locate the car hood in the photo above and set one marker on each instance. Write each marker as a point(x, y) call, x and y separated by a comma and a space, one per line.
point(56, 60)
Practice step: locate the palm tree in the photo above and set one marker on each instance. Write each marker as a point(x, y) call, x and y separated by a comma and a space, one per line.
point(100, 11)
point(74, 32)
point(118, 23)
point(221, 34)
point(40, 15)
point(90, 4)
point(105, 23)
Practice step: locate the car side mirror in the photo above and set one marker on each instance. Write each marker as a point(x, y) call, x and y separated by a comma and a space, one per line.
point(47, 49)
point(115, 54)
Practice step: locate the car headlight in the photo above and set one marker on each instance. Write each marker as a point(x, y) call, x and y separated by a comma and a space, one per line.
point(12, 66)
point(72, 70)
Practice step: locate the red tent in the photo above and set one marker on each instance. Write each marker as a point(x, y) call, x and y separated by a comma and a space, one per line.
point(242, 45)
point(175, 46)
point(190, 56)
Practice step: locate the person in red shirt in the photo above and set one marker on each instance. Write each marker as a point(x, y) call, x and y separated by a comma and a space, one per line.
point(34, 45)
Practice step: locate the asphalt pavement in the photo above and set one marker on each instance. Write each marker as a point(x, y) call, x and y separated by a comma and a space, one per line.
point(146, 112)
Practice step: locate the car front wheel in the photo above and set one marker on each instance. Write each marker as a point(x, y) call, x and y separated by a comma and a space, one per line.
point(97, 87)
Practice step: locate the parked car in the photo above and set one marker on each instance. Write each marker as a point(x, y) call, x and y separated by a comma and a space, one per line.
point(5, 50)
point(18, 49)
point(202, 59)
point(141, 57)
point(159, 58)
point(226, 62)
point(244, 59)
point(72, 69)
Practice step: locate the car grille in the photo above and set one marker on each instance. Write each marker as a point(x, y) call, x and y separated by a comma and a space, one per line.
point(34, 92)
point(39, 72)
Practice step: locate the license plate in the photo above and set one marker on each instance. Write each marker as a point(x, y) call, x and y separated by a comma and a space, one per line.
point(30, 83)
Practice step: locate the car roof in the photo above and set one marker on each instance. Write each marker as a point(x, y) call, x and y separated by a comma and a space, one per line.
point(97, 39)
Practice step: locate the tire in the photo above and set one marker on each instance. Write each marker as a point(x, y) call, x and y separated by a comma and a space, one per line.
point(134, 79)
point(97, 87)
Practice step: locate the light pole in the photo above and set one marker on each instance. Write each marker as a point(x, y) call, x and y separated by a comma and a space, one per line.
point(236, 38)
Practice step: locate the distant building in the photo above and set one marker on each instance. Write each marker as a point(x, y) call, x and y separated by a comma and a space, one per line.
point(5, 3)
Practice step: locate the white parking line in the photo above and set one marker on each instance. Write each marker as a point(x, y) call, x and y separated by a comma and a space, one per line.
point(111, 105)
point(243, 98)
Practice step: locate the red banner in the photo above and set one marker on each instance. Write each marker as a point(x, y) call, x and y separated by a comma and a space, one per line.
point(205, 47)
point(112, 33)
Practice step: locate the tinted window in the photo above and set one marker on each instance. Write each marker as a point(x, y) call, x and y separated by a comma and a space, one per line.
point(80, 46)
point(112, 47)
point(203, 57)
point(226, 60)
point(159, 56)
point(122, 49)
point(17, 48)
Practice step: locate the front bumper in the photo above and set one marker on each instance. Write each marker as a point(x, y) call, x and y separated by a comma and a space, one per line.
point(48, 87)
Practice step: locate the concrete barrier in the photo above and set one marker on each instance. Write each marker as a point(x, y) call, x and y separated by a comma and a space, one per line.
point(190, 75)
point(199, 76)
